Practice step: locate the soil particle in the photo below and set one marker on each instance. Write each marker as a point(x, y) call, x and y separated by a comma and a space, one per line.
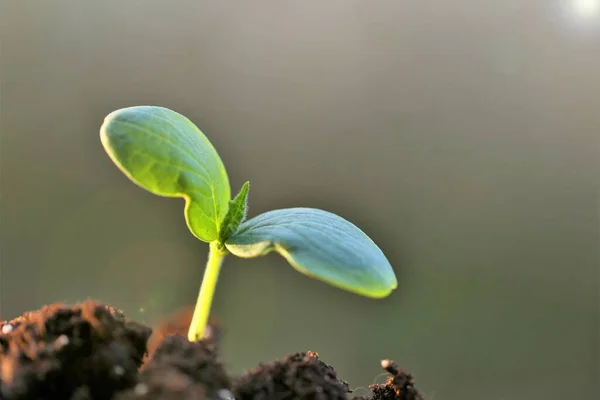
point(178, 324)
point(181, 370)
point(91, 352)
point(87, 351)
point(399, 386)
point(298, 376)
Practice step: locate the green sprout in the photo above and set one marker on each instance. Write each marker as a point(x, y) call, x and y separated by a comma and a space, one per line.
point(163, 152)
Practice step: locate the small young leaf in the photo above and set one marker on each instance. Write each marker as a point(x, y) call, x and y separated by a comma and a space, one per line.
point(236, 214)
point(321, 245)
point(165, 153)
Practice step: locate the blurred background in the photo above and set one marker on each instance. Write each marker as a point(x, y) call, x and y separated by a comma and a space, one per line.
point(462, 136)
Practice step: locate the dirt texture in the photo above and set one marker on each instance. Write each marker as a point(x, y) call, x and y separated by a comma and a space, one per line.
point(298, 376)
point(182, 370)
point(90, 351)
point(399, 386)
point(178, 324)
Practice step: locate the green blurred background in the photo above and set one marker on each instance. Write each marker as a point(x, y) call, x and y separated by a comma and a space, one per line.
point(461, 136)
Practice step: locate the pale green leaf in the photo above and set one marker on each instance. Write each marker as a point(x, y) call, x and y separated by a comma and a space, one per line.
point(321, 245)
point(165, 153)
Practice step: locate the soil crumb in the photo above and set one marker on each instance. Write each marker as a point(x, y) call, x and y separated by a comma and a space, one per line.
point(399, 386)
point(180, 369)
point(297, 376)
point(178, 324)
point(88, 351)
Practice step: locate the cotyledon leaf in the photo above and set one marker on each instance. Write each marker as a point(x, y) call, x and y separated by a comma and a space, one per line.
point(163, 152)
point(319, 244)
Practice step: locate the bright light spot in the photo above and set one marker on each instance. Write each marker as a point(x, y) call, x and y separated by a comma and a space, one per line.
point(119, 371)
point(140, 389)
point(225, 394)
point(581, 17)
point(62, 341)
point(585, 8)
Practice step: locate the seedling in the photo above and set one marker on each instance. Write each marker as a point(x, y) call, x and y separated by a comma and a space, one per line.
point(163, 152)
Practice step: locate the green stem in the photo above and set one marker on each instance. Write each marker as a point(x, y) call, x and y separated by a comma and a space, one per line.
point(207, 290)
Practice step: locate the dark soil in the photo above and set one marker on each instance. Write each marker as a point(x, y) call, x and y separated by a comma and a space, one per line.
point(178, 324)
point(299, 376)
point(400, 385)
point(90, 351)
